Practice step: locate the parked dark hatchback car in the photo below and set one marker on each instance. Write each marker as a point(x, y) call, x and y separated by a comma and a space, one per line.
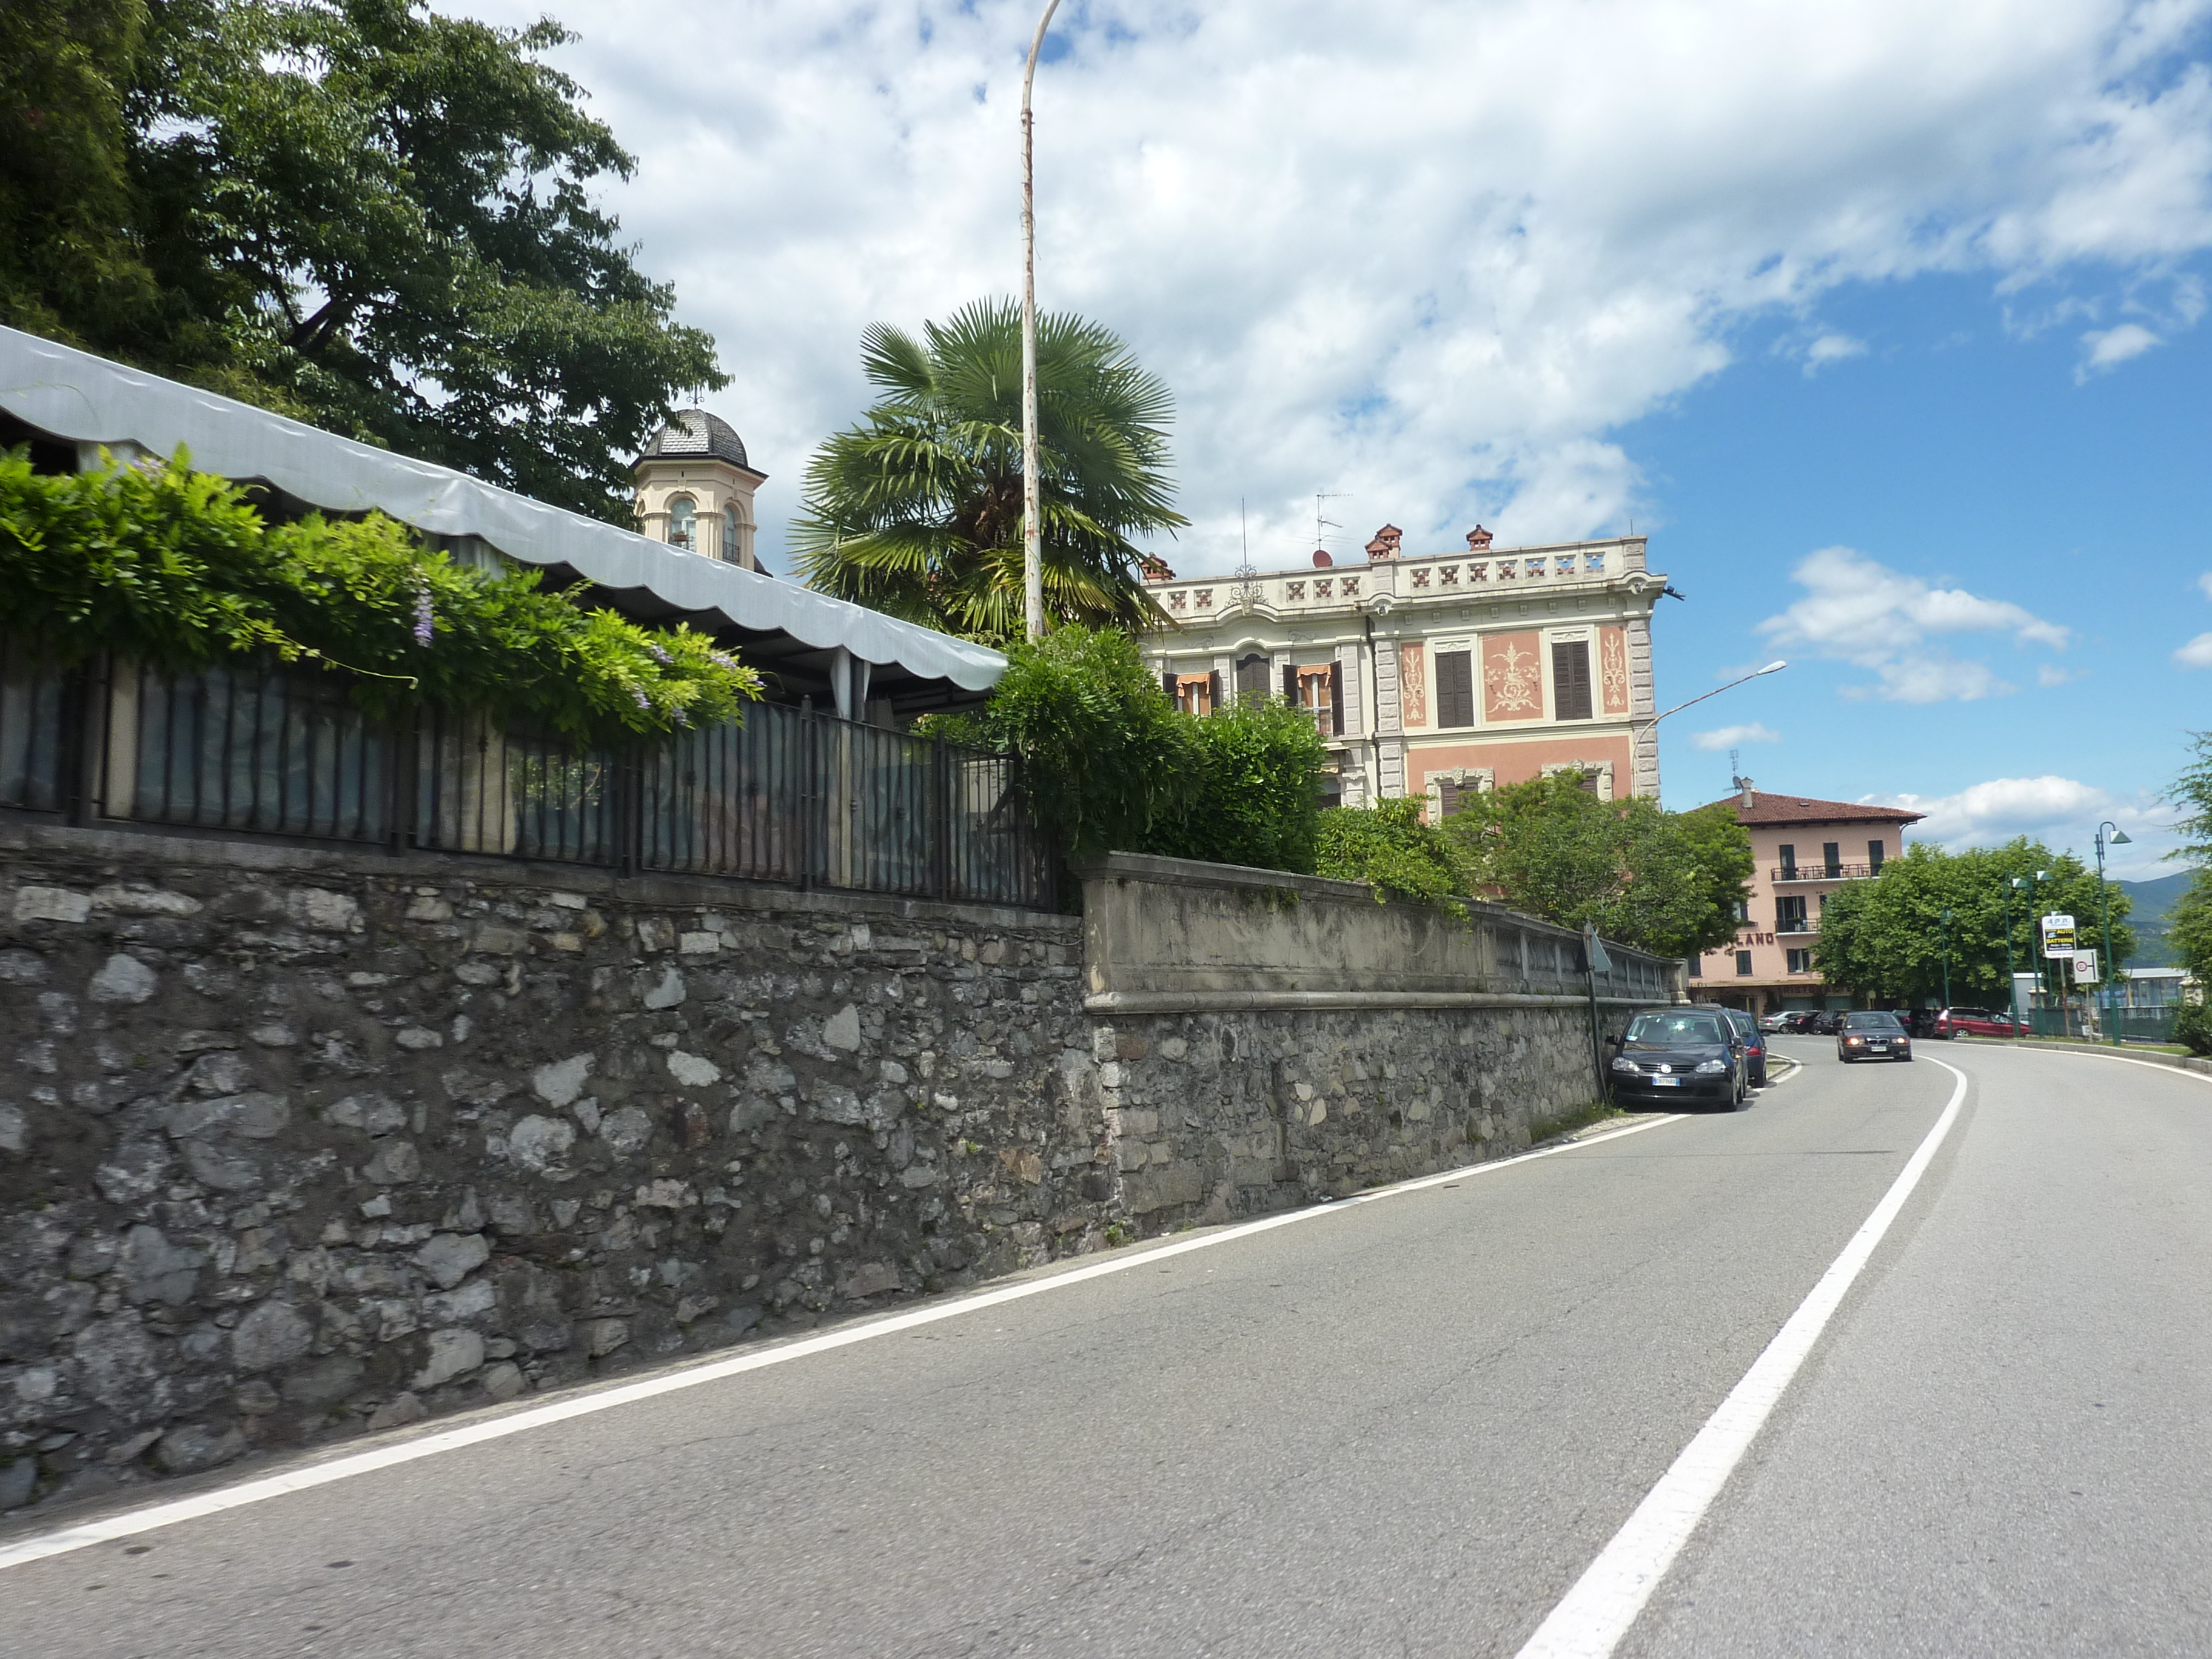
point(1747, 1033)
point(1675, 1056)
point(1873, 1034)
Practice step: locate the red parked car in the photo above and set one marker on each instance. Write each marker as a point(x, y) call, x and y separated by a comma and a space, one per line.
point(1976, 1022)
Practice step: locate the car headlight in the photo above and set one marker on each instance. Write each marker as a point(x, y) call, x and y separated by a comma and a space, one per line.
point(1853, 1043)
point(1623, 1063)
point(1713, 1065)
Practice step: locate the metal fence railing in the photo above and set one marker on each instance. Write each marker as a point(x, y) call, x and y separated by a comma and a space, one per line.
point(790, 796)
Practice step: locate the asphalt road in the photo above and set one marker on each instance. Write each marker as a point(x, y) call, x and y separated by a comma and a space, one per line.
point(1402, 1426)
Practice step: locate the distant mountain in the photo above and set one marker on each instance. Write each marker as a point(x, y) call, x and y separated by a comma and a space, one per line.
point(2151, 901)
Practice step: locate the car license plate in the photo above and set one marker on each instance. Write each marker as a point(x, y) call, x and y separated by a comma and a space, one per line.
point(1668, 1082)
point(1879, 1047)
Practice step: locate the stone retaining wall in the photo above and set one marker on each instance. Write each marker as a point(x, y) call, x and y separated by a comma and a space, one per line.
point(294, 1142)
point(297, 1142)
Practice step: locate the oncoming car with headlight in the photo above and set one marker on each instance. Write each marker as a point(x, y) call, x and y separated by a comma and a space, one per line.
point(1674, 1055)
point(1872, 1034)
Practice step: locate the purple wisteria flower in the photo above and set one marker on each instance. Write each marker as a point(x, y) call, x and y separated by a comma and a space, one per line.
point(727, 662)
point(660, 655)
point(679, 716)
point(641, 700)
point(425, 618)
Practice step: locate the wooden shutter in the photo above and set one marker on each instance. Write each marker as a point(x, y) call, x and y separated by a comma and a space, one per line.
point(1291, 683)
point(1214, 691)
point(1252, 679)
point(1570, 680)
point(1168, 684)
point(1455, 689)
point(1336, 699)
point(1449, 796)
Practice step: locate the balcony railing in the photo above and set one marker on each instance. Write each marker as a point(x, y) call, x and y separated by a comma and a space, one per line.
point(1824, 873)
point(790, 796)
point(1797, 925)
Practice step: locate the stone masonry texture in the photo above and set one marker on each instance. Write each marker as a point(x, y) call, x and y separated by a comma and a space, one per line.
point(297, 1144)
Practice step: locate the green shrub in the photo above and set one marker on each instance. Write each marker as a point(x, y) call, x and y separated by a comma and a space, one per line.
point(1256, 797)
point(177, 569)
point(1100, 754)
point(1388, 845)
point(2192, 1028)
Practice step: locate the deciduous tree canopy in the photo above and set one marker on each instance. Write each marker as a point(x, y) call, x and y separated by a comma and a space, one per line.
point(1887, 937)
point(357, 212)
point(1666, 882)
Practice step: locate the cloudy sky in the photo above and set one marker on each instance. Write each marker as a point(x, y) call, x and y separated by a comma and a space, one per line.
point(1882, 318)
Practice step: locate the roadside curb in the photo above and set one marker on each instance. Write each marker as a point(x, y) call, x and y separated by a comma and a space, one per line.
point(2101, 1051)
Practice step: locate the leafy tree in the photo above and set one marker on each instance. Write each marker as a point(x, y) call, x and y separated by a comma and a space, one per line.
point(1390, 846)
point(917, 511)
point(2189, 923)
point(1666, 882)
point(1887, 937)
point(358, 212)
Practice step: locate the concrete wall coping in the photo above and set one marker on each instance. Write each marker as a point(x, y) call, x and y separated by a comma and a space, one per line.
point(354, 860)
point(1210, 1002)
point(2105, 1051)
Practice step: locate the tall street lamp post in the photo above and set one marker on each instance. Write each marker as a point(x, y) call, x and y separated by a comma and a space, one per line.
point(1947, 958)
point(1032, 543)
point(2012, 985)
point(2118, 838)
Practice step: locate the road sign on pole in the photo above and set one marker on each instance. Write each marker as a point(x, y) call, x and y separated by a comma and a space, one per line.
point(2085, 967)
point(2057, 935)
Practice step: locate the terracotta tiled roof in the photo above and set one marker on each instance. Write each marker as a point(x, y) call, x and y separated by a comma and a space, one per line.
point(1796, 808)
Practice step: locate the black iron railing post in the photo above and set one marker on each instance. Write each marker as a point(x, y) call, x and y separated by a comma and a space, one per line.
point(810, 801)
point(939, 827)
point(78, 751)
point(402, 739)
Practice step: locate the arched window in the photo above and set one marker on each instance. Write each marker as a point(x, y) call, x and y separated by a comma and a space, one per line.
point(732, 547)
point(683, 526)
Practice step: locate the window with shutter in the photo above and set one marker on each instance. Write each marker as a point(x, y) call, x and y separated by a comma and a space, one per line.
point(1168, 684)
point(1214, 691)
point(1570, 680)
point(1454, 671)
point(1449, 797)
point(1336, 699)
point(1252, 678)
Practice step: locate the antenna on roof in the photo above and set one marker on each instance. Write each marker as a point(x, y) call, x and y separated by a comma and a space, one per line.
point(1321, 524)
point(1735, 769)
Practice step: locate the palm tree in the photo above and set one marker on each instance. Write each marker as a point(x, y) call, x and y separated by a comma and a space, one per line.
point(917, 510)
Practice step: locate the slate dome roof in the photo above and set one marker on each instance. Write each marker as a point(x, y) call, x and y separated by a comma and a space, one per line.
point(694, 432)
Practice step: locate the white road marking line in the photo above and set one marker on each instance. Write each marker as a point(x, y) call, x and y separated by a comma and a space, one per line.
point(1598, 1612)
point(2124, 1059)
point(38, 1547)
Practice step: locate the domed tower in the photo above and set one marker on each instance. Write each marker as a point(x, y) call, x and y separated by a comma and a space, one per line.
point(694, 489)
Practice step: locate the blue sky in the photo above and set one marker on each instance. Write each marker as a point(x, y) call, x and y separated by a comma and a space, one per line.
point(1953, 450)
point(1882, 317)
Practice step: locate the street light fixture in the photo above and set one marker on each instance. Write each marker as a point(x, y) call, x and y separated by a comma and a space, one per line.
point(1032, 545)
point(2118, 838)
point(2012, 982)
point(1654, 719)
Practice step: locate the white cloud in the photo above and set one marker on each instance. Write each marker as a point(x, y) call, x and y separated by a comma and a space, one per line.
point(2198, 654)
point(2050, 674)
point(2061, 812)
point(2110, 347)
point(1860, 611)
point(1734, 737)
point(1831, 348)
point(1430, 255)
point(2204, 584)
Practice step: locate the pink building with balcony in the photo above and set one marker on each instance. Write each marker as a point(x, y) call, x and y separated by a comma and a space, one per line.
point(1802, 851)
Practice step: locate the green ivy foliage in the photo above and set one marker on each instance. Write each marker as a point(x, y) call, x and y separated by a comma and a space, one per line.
point(178, 569)
point(1255, 795)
